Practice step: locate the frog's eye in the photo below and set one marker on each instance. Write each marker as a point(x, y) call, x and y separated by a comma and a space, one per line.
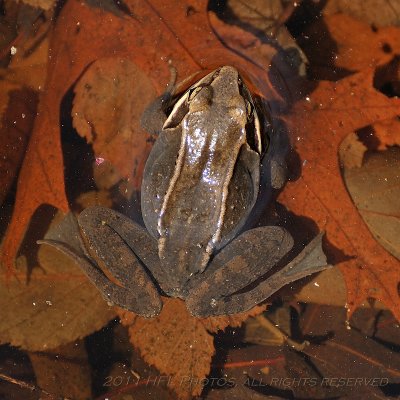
point(194, 92)
point(177, 113)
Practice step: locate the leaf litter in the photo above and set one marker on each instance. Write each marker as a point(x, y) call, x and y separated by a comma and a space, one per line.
point(108, 49)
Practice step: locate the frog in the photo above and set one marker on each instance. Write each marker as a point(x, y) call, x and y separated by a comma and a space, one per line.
point(214, 152)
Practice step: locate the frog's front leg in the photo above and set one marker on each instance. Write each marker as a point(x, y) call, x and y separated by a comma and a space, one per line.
point(154, 115)
point(246, 262)
point(128, 253)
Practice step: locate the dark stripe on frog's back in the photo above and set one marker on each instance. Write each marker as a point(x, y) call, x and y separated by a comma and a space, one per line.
point(193, 211)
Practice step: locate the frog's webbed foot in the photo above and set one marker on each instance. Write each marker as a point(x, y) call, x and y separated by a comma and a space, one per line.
point(125, 248)
point(244, 262)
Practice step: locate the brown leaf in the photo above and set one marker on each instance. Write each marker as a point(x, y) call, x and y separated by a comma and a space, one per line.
point(351, 152)
point(282, 71)
point(177, 344)
point(319, 124)
point(236, 38)
point(52, 308)
point(43, 4)
point(40, 181)
point(28, 66)
point(215, 324)
point(375, 190)
point(246, 27)
point(348, 354)
point(64, 372)
point(328, 287)
point(109, 101)
point(361, 46)
point(18, 104)
point(15, 128)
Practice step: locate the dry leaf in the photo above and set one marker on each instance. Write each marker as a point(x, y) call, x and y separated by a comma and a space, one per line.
point(43, 4)
point(328, 287)
point(266, 22)
point(258, 330)
point(28, 66)
point(361, 46)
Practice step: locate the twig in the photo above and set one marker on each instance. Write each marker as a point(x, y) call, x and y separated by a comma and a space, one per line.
point(268, 324)
point(31, 387)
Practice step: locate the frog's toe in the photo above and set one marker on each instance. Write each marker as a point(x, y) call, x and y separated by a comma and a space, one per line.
point(145, 305)
point(203, 307)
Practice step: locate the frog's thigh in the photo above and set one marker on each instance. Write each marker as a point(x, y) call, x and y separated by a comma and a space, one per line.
point(122, 245)
point(246, 176)
point(208, 300)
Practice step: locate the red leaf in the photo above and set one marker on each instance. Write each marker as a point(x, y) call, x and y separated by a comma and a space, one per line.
point(319, 126)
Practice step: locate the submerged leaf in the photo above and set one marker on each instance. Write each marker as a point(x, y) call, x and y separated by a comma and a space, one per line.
point(320, 124)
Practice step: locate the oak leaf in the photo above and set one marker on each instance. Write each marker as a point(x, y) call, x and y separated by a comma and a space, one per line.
point(318, 125)
point(19, 86)
point(348, 45)
point(360, 45)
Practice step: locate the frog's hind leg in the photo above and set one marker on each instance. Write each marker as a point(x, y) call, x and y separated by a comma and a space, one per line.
point(126, 250)
point(243, 264)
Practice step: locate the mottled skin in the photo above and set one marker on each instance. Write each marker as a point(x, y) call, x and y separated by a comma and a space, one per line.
point(200, 184)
